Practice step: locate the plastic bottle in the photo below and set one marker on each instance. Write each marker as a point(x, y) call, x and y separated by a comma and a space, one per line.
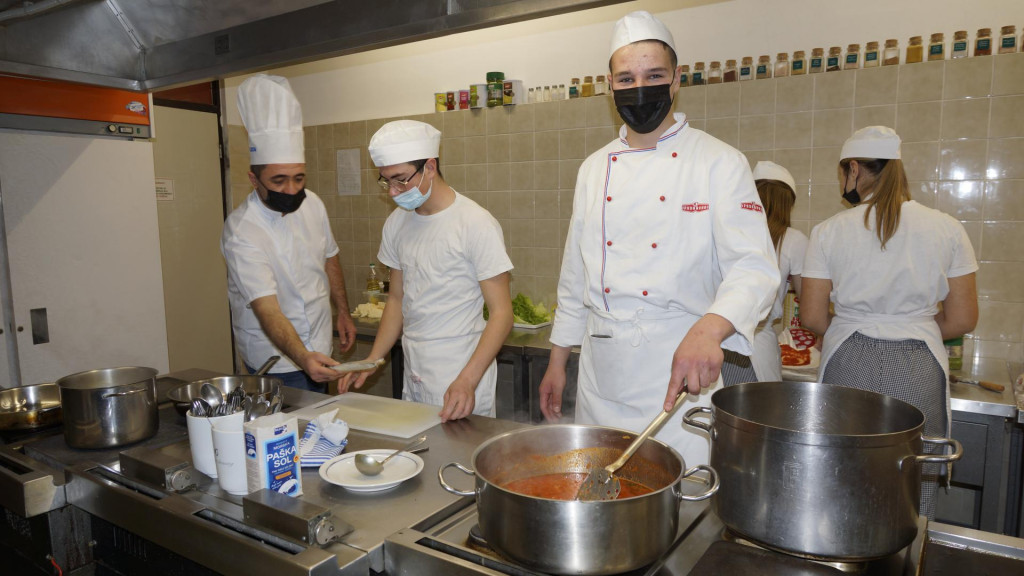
point(373, 283)
point(955, 350)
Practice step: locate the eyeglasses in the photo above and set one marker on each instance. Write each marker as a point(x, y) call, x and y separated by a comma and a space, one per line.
point(386, 184)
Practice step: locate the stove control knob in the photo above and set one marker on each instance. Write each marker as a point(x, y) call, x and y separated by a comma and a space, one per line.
point(180, 480)
point(324, 531)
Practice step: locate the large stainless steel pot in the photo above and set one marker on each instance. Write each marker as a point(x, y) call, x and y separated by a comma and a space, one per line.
point(574, 537)
point(817, 470)
point(30, 407)
point(109, 407)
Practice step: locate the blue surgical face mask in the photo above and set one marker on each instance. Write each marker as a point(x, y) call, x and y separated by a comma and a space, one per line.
point(412, 198)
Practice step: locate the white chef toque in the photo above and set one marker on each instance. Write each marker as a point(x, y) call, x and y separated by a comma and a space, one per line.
point(404, 141)
point(637, 26)
point(766, 170)
point(872, 142)
point(273, 119)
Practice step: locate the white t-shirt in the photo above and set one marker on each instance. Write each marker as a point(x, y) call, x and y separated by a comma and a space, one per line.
point(267, 253)
point(443, 257)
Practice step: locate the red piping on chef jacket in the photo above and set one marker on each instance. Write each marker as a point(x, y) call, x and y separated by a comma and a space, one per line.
point(604, 205)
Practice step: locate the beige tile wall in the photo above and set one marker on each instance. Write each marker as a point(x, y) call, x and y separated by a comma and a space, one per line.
point(962, 123)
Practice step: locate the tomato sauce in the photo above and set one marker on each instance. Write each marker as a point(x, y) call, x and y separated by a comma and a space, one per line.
point(565, 485)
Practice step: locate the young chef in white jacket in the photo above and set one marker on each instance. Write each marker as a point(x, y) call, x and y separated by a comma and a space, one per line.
point(668, 257)
point(282, 261)
point(447, 258)
point(886, 265)
point(777, 190)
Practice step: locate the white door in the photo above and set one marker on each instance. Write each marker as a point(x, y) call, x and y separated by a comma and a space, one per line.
point(80, 214)
point(186, 155)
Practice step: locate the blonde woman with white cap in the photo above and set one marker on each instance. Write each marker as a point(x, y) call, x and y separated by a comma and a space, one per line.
point(283, 269)
point(901, 277)
point(668, 258)
point(447, 256)
point(777, 190)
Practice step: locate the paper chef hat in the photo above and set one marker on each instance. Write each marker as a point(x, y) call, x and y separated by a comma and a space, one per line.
point(273, 119)
point(637, 26)
point(766, 170)
point(404, 141)
point(872, 142)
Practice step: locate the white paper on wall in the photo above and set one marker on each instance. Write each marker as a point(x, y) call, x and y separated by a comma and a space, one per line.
point(349, 176)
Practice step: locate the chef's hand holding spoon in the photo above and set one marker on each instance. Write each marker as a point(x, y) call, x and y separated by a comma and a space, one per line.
point(697, 361)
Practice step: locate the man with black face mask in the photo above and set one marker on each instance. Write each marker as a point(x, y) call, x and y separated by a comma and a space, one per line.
point(668, 258)
point(283, 268)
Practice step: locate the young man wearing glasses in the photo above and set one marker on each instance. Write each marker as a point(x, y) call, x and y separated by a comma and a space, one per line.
point(447, 256)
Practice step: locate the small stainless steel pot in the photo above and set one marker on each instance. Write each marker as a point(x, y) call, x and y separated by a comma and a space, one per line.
point(30, 407)
point(109, 407)
point(574, 537)
point(820, 471)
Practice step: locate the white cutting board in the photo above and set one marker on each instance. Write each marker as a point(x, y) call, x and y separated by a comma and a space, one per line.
point(376, 414)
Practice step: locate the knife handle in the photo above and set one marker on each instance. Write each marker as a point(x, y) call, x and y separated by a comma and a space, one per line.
point(991, 386)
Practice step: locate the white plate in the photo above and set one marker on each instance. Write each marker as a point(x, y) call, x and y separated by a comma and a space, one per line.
point(357, 366)
point(341, 471)
point(531, 326)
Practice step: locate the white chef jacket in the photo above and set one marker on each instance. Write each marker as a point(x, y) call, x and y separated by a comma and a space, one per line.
point(658, 238)
point(267, 253)
point(766, 359)
point(890, 294)
point(443, 258)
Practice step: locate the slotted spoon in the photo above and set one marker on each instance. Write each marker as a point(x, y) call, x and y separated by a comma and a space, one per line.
point(601, 484)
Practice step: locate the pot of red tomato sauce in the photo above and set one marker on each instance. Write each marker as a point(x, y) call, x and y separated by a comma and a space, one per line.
point(526, 481)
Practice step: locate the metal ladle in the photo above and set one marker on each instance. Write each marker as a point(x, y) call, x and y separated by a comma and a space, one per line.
point(211, 395)
point(370, 466)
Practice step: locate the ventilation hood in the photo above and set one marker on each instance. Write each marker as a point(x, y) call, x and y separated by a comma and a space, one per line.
point(145, 45)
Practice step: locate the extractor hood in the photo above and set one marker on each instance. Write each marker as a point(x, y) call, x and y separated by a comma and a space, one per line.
point(145, 45)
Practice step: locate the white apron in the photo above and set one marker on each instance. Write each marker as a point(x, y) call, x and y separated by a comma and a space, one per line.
point(623, 378)
point(766, 359)
point(432, 365)
point(888, 327)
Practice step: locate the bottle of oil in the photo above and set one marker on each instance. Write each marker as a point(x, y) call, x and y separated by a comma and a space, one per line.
point(373, 283)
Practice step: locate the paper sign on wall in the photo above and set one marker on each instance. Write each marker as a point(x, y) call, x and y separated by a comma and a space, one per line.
point(164, 189)
point(349, 173)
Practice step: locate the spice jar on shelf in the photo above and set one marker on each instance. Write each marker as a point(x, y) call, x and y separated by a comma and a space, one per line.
point(684, 75)
point(600, 86)
point(915, 51)
point(495, 85)
point(730, 74)
point(1008, 40)
point(587, 88)
point(562, 94)
point(799, 64)
point(871, 58)
point(764, 67)
point(937, 47)
point(832, 63)
point(983, 42)
point(817, 63)
point(852, 57)
point(891, 55)
point(715, 73)
point(959, 45)
point(698, 74)
point(574, 88)
point(747, 68)
point(781, 64)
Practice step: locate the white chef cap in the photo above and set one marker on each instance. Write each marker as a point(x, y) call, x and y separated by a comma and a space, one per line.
point(638, 26)
point(404, 141)
point(766, 170)
point(872, 142)
point(273, 119)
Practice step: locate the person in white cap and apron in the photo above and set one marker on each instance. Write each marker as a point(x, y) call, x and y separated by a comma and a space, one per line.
point(777, 190)
point(886, 265)
point(668, 257)
point(447, 256)
point(283, 268)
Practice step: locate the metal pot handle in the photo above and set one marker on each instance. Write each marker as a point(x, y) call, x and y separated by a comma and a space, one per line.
point(710, 491)
point(126, 393)
point(958, 451)
point(448, 487)
point(688, 419)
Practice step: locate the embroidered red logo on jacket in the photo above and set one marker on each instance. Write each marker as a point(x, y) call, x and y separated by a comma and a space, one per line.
point(695, 207)
point(752, 206)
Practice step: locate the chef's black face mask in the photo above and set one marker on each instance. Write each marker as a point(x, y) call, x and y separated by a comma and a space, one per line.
point(851, 196)
point(644, 107)
point(284, 203)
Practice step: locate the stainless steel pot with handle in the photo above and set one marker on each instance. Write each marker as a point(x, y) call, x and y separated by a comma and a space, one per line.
point(109, 407)
point(816, 470)
point(571, 536)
